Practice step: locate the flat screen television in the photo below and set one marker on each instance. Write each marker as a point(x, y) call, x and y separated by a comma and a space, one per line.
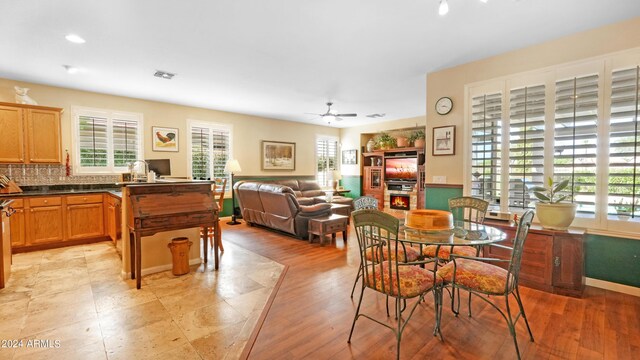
point(401, 169)
point(162, 167)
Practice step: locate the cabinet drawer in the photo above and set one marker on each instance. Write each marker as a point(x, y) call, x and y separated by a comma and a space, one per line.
point(192, 219)
point(335, 226)
point(112, 200)
point(84, 199)
point(45, 201)
point(17, 203)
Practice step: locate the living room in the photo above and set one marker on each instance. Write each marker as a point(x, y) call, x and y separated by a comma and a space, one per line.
point(611, 248)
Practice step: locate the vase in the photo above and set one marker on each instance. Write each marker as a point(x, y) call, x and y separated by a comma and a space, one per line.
point(419, 143)
point(371, 145)
point(402, 141)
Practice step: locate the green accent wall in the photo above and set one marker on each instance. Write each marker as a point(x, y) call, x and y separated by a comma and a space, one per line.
point(353, 183)
point(612, 259)
point(438, 198)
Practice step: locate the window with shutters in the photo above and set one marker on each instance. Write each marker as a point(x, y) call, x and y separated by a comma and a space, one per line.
point(326, 160)
point(486, 140)
point(210, 148)
point(624, 144)
point(106, 141)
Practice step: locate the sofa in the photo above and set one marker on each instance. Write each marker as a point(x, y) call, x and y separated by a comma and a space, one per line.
point(276, 206)
point(308, 192)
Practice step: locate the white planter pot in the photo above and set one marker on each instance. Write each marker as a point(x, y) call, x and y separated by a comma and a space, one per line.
point(556, 216)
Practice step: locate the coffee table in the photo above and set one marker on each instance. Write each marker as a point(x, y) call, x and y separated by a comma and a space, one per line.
point(326, 225)
point(341, 209)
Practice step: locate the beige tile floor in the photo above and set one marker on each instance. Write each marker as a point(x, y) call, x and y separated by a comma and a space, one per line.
point(75, 303)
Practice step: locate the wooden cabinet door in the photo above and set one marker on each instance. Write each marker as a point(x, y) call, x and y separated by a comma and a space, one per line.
point(568, 264)
point(17, 221)
point(12, 130)
point(85, 221)
point(44, 224)
point(43, 140)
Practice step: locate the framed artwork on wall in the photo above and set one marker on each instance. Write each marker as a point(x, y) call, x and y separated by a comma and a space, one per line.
point(350, 157)
point(164, 139)
point(278, 155)
point(444, 140)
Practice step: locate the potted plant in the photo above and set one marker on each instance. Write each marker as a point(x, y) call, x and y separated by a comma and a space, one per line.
point(385, 141)
point(417, 138)
point(552, 212)
point(623, 210)
point(402, 140)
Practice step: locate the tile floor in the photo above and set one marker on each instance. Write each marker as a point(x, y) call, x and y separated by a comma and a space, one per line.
point(75, 303)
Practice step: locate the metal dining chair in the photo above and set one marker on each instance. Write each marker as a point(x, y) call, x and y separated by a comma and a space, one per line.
point(362, 203)
point(377, 233)
point(218, 190)
point(485, 280)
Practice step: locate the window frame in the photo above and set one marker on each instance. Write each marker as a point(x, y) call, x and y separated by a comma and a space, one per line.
point(212, 126)
point(109, 115)
point(329, 176)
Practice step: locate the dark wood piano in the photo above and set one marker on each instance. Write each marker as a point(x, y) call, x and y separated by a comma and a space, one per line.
point(170, 206)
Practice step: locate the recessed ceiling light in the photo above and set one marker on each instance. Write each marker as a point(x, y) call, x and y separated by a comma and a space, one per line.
point(164, 75)
point(71, 69)
point(75, 39)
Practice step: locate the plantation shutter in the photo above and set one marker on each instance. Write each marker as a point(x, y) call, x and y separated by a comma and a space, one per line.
point(624, 143)
point(200, 148)
point(327, 157)
point(486, 134)
point(93, 141)
point(220, 153)
point(575, 138)
point(126, 142)
point(526, 143)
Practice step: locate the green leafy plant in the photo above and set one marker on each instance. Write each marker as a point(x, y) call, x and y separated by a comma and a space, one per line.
point(386, 141)
point(623, 208)
point(550, 193)
point(417, 134)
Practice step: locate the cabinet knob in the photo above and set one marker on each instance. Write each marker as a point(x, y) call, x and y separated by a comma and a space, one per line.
point(46, 201)
point(84, 199)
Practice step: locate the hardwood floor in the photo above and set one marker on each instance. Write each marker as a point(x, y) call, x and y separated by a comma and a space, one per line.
point(311, 315)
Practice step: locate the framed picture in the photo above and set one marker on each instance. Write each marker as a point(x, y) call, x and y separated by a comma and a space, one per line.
point(350, 157)
point(277, 155)
point(444, 140)
point(164, 139)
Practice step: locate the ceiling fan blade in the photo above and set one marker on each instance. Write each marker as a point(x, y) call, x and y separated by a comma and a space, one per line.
point(346, 115)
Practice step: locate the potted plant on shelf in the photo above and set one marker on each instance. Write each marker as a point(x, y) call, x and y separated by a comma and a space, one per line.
point(402, 140)
point(385, 141)
point(417, 138)
point(552, 212)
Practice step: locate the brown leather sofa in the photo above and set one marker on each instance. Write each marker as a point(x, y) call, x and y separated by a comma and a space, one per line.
point(308, 192)
point(277, 207)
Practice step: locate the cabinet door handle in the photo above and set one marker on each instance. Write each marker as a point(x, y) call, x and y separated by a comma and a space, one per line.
point(556, 261)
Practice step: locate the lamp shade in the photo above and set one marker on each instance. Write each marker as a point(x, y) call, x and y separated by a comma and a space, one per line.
point(337, 175)
point(232, 166)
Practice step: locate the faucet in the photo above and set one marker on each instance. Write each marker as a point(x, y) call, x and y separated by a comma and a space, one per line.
point(139, 170)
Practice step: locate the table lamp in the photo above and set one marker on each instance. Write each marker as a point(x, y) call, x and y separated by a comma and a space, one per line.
point(336, 179)
point(232, 166)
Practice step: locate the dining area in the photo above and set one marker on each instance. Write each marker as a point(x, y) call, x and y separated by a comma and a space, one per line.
point(436, 260)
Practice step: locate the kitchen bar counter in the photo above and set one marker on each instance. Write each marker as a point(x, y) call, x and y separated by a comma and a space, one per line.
point(48, 190)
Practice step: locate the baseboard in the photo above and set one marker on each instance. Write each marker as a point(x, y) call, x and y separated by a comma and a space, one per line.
point(159, 268)
point(607, 285)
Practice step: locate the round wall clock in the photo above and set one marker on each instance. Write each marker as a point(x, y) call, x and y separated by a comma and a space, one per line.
point(444, 105)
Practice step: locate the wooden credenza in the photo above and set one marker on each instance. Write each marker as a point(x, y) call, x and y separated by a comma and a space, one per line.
point(156, 207)
point(552, 261)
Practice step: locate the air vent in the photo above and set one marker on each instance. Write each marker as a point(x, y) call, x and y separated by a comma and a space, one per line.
point(375, 116)
point(164, 75)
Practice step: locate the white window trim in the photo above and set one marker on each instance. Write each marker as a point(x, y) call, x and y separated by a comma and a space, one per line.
point(602, 65)
point(211, 125)
point(315, 152)
point(78, 111)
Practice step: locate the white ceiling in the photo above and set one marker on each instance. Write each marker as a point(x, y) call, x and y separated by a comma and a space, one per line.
point(278, 58)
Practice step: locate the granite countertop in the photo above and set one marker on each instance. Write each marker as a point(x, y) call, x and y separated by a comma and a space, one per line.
point(67, 189)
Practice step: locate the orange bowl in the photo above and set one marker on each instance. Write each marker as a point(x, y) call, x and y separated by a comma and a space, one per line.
point(435, 220)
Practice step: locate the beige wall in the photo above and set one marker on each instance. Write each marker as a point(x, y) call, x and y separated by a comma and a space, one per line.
point(248, 130)
point(350, 138)
point(451, 82)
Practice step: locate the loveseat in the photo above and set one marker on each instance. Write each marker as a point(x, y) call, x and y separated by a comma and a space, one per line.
point(276, 206)
point(308, 192)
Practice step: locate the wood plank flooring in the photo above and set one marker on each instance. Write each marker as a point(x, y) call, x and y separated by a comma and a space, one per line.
point(311, 315)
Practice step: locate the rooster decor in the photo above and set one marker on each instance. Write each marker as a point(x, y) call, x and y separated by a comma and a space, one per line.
point(165, 138)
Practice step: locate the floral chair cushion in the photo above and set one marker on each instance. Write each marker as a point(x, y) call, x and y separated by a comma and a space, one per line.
point(411, 254)
point(414, 280)
point(445, 251)
point(476, 275)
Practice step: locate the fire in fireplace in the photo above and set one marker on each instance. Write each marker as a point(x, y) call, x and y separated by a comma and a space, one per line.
point(399, 201)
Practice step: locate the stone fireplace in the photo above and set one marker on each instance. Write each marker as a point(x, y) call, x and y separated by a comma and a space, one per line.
point(400, 197)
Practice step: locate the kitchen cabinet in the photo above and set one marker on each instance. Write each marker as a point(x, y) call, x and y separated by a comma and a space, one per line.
point(17, 224)
point(84, 216)
point(552, 261)
point(44, 220)
point(31, 134)
point(114, 217)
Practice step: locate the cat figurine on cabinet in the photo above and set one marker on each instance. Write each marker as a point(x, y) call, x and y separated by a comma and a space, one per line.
point(22, 97)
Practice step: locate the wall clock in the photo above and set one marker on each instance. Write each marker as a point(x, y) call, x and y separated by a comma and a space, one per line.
point(444, 105)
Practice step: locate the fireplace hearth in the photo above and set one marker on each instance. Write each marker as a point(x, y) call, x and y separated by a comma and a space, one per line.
point(400, 201)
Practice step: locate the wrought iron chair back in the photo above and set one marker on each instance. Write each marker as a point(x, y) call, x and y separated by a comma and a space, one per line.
point(516, 253)
point(365, 202)
point(468, 208)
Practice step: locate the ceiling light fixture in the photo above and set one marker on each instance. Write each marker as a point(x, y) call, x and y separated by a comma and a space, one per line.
point(164, 75)
point(75, 39)
point(444, 8)
point(71, 69)
point(375, 116)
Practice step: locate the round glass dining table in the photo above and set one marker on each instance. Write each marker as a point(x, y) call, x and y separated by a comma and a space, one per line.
point(464, 234)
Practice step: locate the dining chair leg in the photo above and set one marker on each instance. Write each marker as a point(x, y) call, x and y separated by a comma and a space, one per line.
point(512, 326)
point(469, 303)
point(356, 281)
point(437, 301)
point(355, 317)
point(516, 294)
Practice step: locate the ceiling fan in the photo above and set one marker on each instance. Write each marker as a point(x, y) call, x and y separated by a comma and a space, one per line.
point(330, 116)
